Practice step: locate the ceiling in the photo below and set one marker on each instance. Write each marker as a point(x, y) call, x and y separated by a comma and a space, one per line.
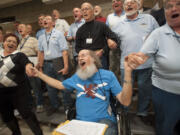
point(8, 3)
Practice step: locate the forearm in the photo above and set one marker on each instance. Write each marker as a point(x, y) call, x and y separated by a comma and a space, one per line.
point(51, 81)
point(65, 58)
point(40, 58)
point(126, 94)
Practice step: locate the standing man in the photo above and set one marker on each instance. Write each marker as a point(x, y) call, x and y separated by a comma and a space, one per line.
point(112, 20)
point(29, 46)
point(98, 14)
point(71, 36)
point(94, 35)
point(133, 31)
point(16, 24)
point(41, 24)
point(53, 47)
point(60, 24)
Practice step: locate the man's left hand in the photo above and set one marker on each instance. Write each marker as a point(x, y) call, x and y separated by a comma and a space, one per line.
point(64, 71)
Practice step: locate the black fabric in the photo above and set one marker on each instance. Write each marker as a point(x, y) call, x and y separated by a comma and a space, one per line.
point(14, 127)
point(17, 73)
point(159, 16)
point(99, 32)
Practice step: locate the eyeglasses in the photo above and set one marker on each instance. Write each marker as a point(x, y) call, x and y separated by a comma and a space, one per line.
point(9, 41)
point(170, 6)
point(82, 55)
point(85, 9)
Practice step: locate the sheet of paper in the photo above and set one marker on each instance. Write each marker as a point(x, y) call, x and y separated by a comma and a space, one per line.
point(77, 127)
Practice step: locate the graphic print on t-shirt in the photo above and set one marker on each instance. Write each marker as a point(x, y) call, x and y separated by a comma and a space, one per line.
point(91, 90)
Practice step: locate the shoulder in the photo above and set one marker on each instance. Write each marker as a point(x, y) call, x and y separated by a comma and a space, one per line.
point(106, 73)
point(110, 15)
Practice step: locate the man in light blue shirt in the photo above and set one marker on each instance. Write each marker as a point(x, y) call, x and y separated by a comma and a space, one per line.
point(133, 31)
point(41, 23)
point(71, 36)
point(52, 46)
point(112, 20)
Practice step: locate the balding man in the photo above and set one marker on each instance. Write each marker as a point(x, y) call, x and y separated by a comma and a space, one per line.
point(71, 36)
point(60, 24)
point(93, 35)
point(112, 20)
point(93, 86)
point(133, 30)
point(98, 14)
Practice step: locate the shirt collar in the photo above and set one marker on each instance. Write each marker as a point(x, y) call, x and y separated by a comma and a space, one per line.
point(169, 31)
point(120, 15)
point(138, 17)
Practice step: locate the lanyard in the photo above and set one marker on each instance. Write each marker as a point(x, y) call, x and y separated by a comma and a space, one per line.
point(176, 36)
point(22, 45)
point(47, 40)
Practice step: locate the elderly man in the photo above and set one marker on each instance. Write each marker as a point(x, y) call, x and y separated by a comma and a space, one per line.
point(133, 30)
point(71, 36)
point(60, 24)
point(29, 46)
point(94, 35)
point(163, 45)
point(53, 58)
point(41, 24)
point(93, 86)
point(112, 20)
point(98, 14)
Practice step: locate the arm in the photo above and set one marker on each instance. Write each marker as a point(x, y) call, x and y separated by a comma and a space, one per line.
point(40, 60)
point(50, 81)
point(64, 71)
point(137, 59)
point(125, 95)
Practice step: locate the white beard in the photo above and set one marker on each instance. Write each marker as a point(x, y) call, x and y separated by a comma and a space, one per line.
point(87, 73)
point(131, 12)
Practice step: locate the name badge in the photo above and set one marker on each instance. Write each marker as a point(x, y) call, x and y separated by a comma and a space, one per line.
point(48, 52)
point(88, 40)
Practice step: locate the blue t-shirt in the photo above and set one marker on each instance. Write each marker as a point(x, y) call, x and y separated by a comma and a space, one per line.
point(92, 95)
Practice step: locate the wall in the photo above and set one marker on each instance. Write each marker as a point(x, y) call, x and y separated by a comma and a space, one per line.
point(29, 12)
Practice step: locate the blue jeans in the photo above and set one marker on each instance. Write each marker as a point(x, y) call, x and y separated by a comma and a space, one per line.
point(112, 127)
point(52, 92)
point(36, 86)
point(167, 111)
point(144, 88)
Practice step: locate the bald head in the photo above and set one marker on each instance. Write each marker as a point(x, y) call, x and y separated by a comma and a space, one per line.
point(87, 11)
point(77, 14)
point(97, 10)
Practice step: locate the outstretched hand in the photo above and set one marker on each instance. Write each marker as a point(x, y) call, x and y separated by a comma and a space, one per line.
point(136, 59)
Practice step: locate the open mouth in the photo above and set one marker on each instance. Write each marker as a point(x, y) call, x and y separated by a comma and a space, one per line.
point(129, 9)
point(116, 6)
point(82, 63)
point(175, 16)
point(10, 46)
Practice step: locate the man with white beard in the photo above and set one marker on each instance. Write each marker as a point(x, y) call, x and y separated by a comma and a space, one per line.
point(132, 31)
point(93, 86)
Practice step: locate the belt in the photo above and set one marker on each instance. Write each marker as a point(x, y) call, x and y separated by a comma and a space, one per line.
point(48, 61)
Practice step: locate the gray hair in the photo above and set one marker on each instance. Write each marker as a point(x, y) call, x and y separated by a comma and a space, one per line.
point(137, 1)
point(97, 60)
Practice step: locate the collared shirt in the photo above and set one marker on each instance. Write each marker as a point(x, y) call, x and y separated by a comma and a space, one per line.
point(1, 46)
point(133, 33)
point(93, 35)
point(52, 44)
point(61, 25)
point(164, 46)
point(40, 32)
point(113, 19)
point(72, 32)
point(28, 46)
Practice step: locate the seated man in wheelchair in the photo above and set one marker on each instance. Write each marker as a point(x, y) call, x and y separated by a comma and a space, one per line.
point(93, 86)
